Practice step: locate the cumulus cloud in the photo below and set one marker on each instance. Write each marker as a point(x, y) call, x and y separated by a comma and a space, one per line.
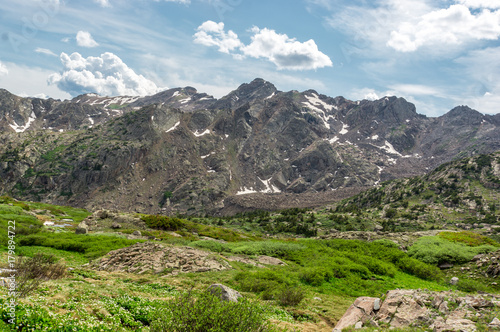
point(84, 39)
point(44, 51)
point(454, 25)
point(3, 70)
point(213, 34)
point(493, 4)
point(283, 51)
point(104, 75)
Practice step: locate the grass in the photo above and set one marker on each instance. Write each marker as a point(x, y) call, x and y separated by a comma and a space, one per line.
point(337, 271)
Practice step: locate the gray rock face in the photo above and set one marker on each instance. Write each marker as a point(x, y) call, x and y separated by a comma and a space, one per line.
point(224, 293)
point(203, 151)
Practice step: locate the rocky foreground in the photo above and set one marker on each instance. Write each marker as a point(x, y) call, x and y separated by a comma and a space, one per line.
point(439, 311)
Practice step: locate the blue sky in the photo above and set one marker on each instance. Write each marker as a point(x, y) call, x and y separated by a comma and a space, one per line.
point(437, 54)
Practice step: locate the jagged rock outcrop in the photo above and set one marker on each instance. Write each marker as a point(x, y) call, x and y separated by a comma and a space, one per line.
point(184, 151)
point(419, 308)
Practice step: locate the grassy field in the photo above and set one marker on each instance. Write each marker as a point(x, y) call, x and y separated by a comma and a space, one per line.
point(311, 292)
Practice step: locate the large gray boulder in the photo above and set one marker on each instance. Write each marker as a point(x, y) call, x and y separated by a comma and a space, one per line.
point(224, 293)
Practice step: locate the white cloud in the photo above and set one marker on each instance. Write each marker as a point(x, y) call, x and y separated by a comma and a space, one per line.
point(493, 4)
point(482, 69)
point(283, 51)
point(104, 75)
point(3, 70)
point(84, 39)
point(103, 3)
point(36, 85)
point(213, 34)
point(415, 89)
point(451, 26)
point(45, 51)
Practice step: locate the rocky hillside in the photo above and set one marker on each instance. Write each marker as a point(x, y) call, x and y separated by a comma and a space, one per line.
point(184, 151)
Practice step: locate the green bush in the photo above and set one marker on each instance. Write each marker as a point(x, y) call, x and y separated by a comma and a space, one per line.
point(163, 222)
point(208, 313)
point(436, 250)
point(469, 238)
point(290, 296)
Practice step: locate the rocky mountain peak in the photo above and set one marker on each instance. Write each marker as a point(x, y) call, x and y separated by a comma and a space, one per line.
point(463, 115)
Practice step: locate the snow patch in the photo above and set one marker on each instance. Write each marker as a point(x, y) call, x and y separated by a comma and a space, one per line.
point(175, 126)
point(314, 101)
point(21, 129)
point(246, 191)
point(176, 93)
point(344, 129)
point(91, 120)
point(270, 188)
point(269, 97)
point(387, 147)
point(374, 137)
point(183, 101)
point(332, 140)
point(197, 134)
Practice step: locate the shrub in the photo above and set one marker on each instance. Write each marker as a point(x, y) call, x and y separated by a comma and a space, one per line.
point(32, 272)
point(436, 250)
point(290, 296)
point(469, 238)
point(163, 222)
point(208, 313)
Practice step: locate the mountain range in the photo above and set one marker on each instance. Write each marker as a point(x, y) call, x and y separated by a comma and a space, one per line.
point(181, 151)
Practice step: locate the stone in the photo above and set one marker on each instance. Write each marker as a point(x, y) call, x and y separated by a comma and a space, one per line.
point(82, 229)
point(270, 260)
point(137, 233)
point(359, 325)
point(317, 298)
point(376, 304)
point(454, 281)
point(495, 323)
point(361, 309)
point(224, 293)
point(116, 225)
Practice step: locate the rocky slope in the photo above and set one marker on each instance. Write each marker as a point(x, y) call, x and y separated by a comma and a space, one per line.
point(185, 151)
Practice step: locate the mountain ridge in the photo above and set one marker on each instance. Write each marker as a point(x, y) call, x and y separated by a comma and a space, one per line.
point(184, 151)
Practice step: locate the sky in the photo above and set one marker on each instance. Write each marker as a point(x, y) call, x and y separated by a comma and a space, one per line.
point(437, 54)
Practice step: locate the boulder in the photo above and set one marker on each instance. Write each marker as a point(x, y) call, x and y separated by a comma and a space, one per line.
point(360, 311)
point(137, 233)
point(116, 225)
point(267, 260)
point(454, 281)
point(82, 228)
point(224, 293)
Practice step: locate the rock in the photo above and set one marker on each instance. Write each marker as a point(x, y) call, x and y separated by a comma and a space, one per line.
point(495, 323)
point(376, 304)
point(359, 325)
point(445, 266)
point(361, 309)
point(156, 258)
point(102, 214)
point(317, 298)
point(82, 228)
point(454, 281)
point(459, 324)
point(443, 308)
point(137, 233)
point(224, 293)
point(116, 225)
point(270, 260)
